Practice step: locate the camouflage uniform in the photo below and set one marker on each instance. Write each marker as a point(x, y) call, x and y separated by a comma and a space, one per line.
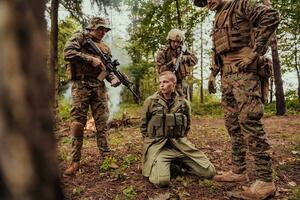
point(164, 62)
point(165, 124)
point(87, 90)
point(240, 35)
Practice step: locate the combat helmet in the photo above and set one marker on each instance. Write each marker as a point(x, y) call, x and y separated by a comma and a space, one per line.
point(200, 3)
point(175, 34)
point(97, 22)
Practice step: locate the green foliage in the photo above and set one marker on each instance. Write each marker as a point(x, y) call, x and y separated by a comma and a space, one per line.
point(64, 107)
point(288, 34)
point(152, 21)
point(293, 107)
point(128, 108)
point(296, 194)
point(129, 160)
point(145, 76)
point(107, 163)
point(63, 154)
point(129, 193)
point(78, 190)
point(116, 139)
point(211, 186)
point(207, 108)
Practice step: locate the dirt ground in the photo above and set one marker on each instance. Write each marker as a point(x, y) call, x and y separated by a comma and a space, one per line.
point(119, 176)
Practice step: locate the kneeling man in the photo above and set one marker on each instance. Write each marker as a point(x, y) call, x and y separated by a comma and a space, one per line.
point(166, 120)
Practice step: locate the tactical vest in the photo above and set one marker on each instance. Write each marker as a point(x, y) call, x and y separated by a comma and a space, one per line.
point(81, 70)
point(227, 34)
point(167, 125)
point(183, 70)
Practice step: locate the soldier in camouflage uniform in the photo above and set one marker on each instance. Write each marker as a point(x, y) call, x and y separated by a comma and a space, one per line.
point(166, 120)
point(87, 73)
point(240, 34)
point(166, 59)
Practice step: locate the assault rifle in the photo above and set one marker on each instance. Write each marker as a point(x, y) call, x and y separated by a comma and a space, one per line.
point(111, 66)
point(182, 49)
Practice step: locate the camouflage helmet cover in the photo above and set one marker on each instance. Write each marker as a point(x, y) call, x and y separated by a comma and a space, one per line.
point(200, 3)
point(97, 22)
point(175, 34)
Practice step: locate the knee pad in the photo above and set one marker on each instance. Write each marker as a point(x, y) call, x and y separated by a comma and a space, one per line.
point(77, 129)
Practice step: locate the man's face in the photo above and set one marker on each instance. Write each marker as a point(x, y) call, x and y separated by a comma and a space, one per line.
point(166, 85)
point(175, 44)
point(214, 4)
point(99, 33)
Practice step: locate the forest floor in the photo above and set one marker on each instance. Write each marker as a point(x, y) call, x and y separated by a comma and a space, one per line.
point(119, 176)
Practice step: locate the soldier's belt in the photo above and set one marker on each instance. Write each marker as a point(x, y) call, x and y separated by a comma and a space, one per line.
point(171, 125)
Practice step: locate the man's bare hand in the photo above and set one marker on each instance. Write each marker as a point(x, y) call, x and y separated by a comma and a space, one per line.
point(96, 62)
point(115, 82)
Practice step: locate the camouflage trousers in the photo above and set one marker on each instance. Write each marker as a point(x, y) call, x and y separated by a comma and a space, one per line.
point(243, 110)
point(85, 94)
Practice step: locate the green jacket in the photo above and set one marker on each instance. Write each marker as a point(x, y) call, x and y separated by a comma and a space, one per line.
point(153, 146)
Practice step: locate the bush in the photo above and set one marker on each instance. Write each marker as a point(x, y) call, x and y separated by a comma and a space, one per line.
point(64, 107)
point(292, 106)
point(207, 109)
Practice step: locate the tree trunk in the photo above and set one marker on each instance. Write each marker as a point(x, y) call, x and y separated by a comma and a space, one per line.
point(28, 168)
point(280, 101)
point(53, 56)
point(201, 65)
point(298, 78)
point(271, 88)
point(296, 66)
point(178, 14)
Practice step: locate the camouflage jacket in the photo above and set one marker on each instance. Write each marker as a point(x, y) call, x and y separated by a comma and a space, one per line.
point(153, 146)
point(164, 61)
point(80, 58)
point(249, 24)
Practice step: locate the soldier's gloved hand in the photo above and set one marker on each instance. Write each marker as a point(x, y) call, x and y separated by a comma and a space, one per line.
point(96, 62)
point(174, 61)
point(212, 84)
point(246, 61)
point(115, 82)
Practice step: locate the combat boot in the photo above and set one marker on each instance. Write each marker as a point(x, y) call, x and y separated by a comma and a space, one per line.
point(259, 190)
point(72, 169)
point(231, 177)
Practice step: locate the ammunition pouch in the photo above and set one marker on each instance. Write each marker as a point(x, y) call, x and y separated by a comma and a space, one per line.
point(78, 71)
point(229, 39)
point(184, 71)
point(171, 125)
